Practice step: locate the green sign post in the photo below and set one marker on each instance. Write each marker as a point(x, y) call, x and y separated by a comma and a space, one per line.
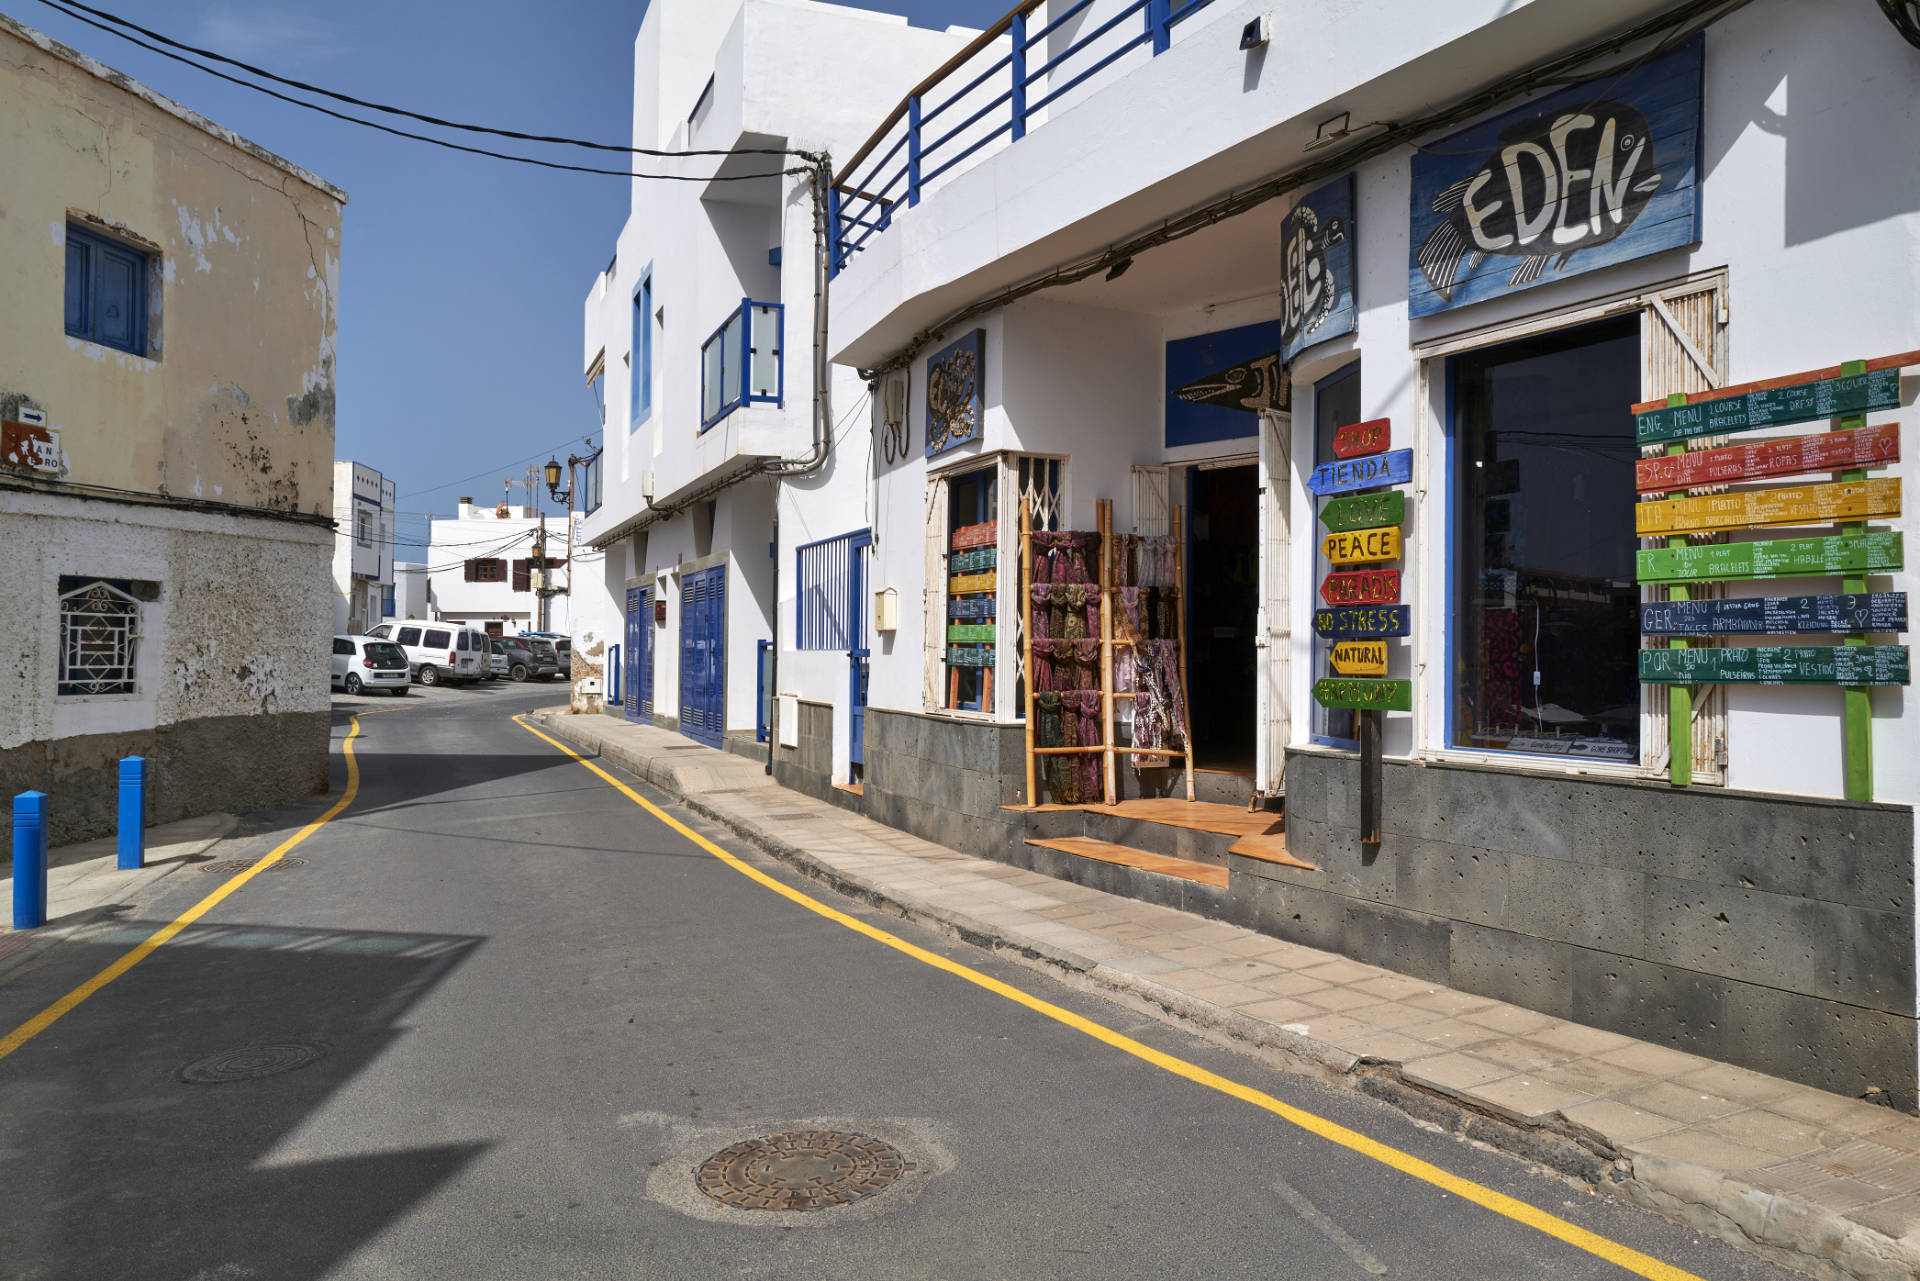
point(1876, 552)
point(1365, 511)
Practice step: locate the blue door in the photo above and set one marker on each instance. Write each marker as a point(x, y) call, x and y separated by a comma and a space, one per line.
point(638, 695)
point(858, 651)
point(703, 655)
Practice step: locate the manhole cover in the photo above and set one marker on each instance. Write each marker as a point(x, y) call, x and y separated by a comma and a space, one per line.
point(227, 867)
point(808, 1170)
point(251, 1062)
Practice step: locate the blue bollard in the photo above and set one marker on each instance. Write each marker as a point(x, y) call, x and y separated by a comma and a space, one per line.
point(29, 860)
point(133, 813)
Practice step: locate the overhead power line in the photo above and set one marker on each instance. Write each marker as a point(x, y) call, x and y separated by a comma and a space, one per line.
point(61, 6)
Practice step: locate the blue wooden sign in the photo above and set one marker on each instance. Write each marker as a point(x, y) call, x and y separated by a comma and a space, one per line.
point(1596, 174)
point(1218, 383)
point(1351, 622)
point(956, 392)
point(1316, 254)
point(1395, 468)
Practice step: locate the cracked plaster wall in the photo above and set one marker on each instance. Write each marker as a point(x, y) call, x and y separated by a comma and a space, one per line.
point(235, 404)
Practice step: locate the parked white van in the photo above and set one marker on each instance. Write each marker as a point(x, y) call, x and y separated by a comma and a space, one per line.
point(438, 651)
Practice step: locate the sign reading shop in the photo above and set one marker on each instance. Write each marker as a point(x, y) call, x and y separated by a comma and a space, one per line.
point(1594, 175)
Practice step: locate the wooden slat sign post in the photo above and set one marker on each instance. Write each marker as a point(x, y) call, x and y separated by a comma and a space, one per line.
point(1845, 394)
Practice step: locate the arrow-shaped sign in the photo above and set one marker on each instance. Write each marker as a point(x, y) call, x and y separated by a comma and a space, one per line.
point(1362, 587)
point(1365, 511)
point(1360, 621)
point(1395, 468)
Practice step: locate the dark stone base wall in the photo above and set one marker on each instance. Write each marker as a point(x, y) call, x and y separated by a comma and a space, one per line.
point(1767, 931)
point(944, 779)
point(230, 763)
point(808, 768)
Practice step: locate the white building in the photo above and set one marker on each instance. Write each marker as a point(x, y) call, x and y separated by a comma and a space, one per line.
point(702, 331)
point(484, 567)
point(410, 594)
point(362, 547)
point(1500, 229)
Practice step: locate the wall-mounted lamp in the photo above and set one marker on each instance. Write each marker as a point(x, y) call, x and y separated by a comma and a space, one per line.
point(1257, 33)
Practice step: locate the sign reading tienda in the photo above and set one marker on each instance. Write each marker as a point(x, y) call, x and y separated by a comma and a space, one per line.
point(1597, 174)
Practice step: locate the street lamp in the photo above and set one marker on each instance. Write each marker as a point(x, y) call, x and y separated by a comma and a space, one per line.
point(553, 476)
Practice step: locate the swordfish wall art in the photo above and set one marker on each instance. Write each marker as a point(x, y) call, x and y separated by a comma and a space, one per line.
point(1594, 175)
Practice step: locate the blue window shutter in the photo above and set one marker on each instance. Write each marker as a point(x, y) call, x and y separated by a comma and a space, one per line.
point(119, 299)
point(79, 285)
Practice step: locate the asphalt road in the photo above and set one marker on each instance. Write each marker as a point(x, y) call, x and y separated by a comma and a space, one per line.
point(540, 1009)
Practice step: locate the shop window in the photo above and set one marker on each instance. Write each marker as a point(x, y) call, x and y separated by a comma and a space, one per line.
point(1545, 608)
point(1336, 402)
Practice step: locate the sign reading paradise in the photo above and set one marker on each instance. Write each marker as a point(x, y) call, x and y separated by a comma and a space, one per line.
point(1758, 459)
point(1362, 587)
point(1875, 552)
point(1771, 406)
point(1856, 665)
point(1777, 615)
point(1363, 694)
point(1784, 505)
point(1362, 546)
point(1348, 622)
point(1365, 511)
point(1360, 658)
point(1395, 468)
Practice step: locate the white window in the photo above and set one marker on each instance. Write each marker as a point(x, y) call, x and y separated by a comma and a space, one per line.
point(99, 635)
point(363, 527)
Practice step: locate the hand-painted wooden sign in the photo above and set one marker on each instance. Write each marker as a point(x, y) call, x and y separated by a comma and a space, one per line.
point(1316, 257)
point(956, 392)
point(1777, 615)
point(1395, 468)
point(1361, 587)
point(1365, 511)
point(976, 535)
point(1362, 694)
point(1770, 407)
point(978, 608)
point(1782, 665)
point(970, 633)
point(1354, 622)
point(1360, 658)
point(1758, 459)
point(1880, 551)
point(1757, 508)
point(1362, 546)
point(1358, 439)
point(1599, 173)
point(1218, 383)
point(973, 583)
point(969, 562)
point(961, 657)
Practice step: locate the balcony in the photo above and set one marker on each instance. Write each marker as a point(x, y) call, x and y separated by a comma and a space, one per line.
point(742, 363)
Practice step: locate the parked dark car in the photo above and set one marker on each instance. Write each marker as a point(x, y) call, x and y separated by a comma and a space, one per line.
point(518, 659)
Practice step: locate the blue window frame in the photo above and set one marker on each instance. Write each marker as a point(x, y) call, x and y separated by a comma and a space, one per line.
point(640, 363)
point(1336, 402)
point(106, 291)
point(741, 363)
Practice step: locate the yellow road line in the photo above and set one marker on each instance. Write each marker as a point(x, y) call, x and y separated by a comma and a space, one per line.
point(53, 1013)
point(1499, 1202)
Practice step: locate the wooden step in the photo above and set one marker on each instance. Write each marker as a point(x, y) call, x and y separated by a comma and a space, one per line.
point(1125, 856)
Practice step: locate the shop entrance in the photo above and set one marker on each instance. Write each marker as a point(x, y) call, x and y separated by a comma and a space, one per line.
point(1223, 595)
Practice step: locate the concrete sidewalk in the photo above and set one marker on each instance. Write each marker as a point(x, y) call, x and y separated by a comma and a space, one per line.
point(1826, 1184)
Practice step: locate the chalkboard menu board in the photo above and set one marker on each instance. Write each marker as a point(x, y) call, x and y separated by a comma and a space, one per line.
point(1779, 665)
point(1876, 552)
point(1777, 615)
point(1772, 406)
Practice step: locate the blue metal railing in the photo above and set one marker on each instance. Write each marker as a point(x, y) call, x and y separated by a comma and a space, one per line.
point(925, 136)
point(742, 363)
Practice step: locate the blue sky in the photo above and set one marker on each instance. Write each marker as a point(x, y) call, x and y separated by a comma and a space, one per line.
point(461, 278)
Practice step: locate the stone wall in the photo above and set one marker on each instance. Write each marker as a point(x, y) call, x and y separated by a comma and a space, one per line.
point(809, 767)
point(945, 779)
point(1767, 931)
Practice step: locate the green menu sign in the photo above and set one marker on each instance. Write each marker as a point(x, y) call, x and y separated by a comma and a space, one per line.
point(1878, 552)
point(1771, 406)
point(1854, 665)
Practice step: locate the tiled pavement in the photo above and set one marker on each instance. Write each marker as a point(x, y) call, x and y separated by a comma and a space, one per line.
point(1827, 1183)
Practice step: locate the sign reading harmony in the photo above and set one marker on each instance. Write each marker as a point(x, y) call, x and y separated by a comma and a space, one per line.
point(1361, 587)
point(1365, 511)
point(1361, 546)
point(1360, 658)
point(1876, 552)
point(1784, 665)
point(1349, 622)
point(1316, 252)
point(1357, 439)
point(1787, 505)
point(1395, 468)
point(1777, 615)
point(1364, 695)
point(1771, 407)
point(1755, 460)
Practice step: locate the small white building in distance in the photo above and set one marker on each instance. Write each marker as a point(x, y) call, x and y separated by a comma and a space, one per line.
point(362, 547)
point(483, 569)
point(411, 599)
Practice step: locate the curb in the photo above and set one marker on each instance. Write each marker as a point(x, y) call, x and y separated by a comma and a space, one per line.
point(1781, 1229)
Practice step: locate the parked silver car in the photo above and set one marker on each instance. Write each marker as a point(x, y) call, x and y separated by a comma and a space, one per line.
point(518, 660)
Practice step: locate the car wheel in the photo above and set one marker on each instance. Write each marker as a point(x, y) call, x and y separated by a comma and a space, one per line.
point(353, 685)
point(429, 674)
point(400, 691)
point(518, 672)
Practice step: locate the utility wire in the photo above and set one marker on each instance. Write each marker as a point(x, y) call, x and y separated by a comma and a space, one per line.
point(60, 7)
point(416, 115)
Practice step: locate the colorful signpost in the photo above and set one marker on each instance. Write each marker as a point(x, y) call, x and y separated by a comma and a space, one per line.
point(1364, 511)
point(1845, 394)
point(1361, 587)
point(1358, 439)
point(1394, 468)
point(1362, 546)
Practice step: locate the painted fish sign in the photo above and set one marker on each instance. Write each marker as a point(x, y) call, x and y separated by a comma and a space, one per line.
point(1362, 694)
point(1316, 247)
point(1599, 173)
point(1357, 439)
point(1362, 546)
point(1362, 587)
point(1349, 474)
point(1365, 511)
point(1759, 459)
point(1777, 615)
point(1360, 658)
point(1350, 622)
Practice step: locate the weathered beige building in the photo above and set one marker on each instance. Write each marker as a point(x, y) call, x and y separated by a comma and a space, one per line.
point(167, 358)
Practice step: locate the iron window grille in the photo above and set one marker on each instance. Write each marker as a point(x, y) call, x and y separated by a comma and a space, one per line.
point(825, 571)
point(99, 640)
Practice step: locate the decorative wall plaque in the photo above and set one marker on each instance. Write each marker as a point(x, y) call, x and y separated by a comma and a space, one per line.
point(956, 392)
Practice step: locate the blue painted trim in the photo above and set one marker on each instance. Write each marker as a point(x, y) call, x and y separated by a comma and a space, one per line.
point(744, 314)
point(1017, 72)
point(1157, 26)
point(913, 151)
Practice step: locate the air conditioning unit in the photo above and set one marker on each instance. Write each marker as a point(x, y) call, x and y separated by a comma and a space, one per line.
point(646, 484)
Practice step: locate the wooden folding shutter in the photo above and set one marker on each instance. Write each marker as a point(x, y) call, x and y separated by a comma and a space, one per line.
point(522, 575)
point(473, 571)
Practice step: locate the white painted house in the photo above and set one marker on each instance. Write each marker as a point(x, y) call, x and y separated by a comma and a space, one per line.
point(1501, 229)
point(485, 568)
point(362, 547)
point(702, 334)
